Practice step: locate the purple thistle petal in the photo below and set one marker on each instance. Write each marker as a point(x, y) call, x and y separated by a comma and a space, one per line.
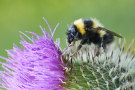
point(48, 25)
point(26, 36)
point(55, 29)
point(38, 66)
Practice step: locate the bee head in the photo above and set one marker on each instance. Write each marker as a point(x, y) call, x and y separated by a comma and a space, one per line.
point(71, 34)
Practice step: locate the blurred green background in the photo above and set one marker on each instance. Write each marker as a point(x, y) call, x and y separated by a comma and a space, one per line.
point(26, 15)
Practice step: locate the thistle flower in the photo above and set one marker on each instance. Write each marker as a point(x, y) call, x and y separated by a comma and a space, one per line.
point(37, 66)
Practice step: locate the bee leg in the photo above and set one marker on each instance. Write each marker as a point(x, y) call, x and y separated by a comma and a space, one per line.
point(79, 47)
point(97, 51)
point(104, 47)
point(100, 48)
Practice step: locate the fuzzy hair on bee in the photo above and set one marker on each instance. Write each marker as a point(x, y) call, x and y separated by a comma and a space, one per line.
point(90, 31)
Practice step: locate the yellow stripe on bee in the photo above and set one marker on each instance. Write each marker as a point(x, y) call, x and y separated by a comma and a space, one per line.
point(80, 26)
point(101, 33)
point(96, 23)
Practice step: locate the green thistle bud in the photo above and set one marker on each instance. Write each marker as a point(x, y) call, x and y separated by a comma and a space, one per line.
point(114, 70)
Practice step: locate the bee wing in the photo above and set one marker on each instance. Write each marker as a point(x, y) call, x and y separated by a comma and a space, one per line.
point(108, 31)
point(113, 33)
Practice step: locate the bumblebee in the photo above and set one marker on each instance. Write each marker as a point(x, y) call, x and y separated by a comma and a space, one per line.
point(90, 31)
